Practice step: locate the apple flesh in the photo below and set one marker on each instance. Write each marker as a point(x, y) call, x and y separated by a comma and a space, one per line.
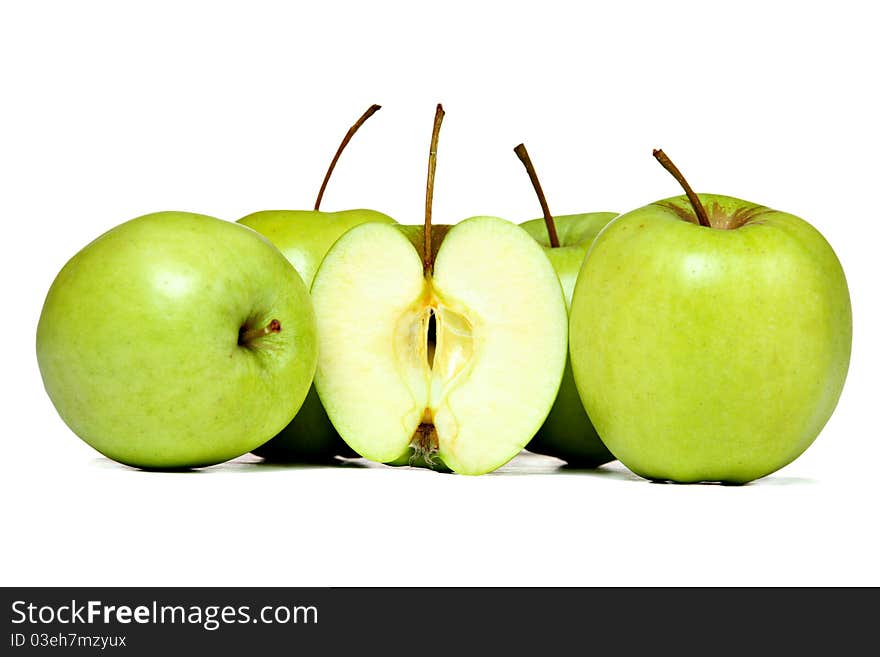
point(568, 433)
point(474, 396)
point(177, 340)
point(709, 353)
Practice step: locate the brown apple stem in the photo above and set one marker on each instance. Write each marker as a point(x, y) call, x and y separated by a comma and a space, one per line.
point(247, 336)
point(697, 205)
point(429, 188)
point(348, 135)
point(523, 156)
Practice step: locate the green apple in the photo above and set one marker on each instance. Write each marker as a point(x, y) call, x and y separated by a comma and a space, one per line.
point(567, 433)
point(710, 337)
point(304, 237)
point(177, 340)
point(576, 234)
point(439, 345)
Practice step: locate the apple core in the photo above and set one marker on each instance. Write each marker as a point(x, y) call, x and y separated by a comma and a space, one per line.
point(434, 345)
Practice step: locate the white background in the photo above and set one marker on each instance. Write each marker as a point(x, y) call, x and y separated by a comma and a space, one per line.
point(111, 110)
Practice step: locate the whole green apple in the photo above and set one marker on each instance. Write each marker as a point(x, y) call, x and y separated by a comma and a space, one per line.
point(567, 433)
point(304, 237)
point(177, 340)
point(710, 337)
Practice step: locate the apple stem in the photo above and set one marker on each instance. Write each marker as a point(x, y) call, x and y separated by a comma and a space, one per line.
point(697, 205)
point(429, 188)
point(247, 336)
point(523, 156)
point(348, 135)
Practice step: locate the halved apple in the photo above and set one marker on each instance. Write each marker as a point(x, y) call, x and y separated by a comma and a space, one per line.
point(455, 358)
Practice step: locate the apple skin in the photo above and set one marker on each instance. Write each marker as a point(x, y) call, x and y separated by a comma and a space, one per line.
point(138, 347)
point(304, 237)
point(704, 354)
point(568, 433)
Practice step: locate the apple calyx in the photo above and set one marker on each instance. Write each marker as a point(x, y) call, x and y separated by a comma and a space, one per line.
point(699, 210)
point(372, 109)
point(523, 156)
point(428, 245)
point(425, 443)
point(246, 336)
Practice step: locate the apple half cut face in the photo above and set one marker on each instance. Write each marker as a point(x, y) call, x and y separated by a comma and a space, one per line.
point(458, 365)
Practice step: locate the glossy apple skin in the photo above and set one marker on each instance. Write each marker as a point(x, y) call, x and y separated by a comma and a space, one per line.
point(568, 433)
point(138, 347)
point(709, 355)
point(304, 237)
